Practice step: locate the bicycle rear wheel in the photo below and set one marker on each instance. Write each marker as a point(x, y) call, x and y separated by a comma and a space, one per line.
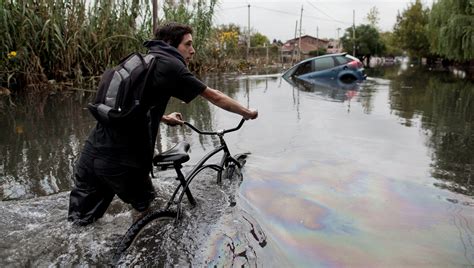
point(155, 217)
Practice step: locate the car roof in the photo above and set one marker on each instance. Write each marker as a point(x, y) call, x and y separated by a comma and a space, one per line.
point(323, 56)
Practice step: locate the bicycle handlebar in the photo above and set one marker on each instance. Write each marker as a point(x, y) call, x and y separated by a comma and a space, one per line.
point(219, 132)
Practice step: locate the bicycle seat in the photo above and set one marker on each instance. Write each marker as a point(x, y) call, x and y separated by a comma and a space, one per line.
point(177, 154)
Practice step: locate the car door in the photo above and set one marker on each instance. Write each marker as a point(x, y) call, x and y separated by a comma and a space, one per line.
point(324, 68)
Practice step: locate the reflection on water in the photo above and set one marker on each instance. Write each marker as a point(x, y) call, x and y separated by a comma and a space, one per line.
point(39, 145)
point(445, 108)
point(370, 174)
point(337, 90)
point(331, 89)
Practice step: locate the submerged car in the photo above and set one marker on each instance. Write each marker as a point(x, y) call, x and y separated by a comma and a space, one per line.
point(339, 66)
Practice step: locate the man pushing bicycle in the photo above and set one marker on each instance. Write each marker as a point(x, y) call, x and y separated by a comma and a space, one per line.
point(116, 159)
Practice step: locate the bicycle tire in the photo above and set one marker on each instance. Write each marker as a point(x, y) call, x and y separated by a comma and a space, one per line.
point(229, 172)
point(135, 229)
point(232, 168)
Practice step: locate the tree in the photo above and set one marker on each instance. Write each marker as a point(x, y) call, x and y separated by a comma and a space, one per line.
point(367, 41)
point(257, 39)
point(231, 27)
point(228, 37)
point(451, 29)
point(410, 30)
point(391, 49)
point(373, 17)
point(318, 52)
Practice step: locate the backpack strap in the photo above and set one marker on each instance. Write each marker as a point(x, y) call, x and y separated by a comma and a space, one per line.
point(148, 60)
point(154, 121)
point(154, 124)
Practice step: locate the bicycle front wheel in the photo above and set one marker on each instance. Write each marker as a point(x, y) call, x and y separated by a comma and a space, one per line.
point(155, 218)
point(232, 170)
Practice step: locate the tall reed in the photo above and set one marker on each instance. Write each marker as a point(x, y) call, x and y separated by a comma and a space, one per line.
point(199, 14)
point(56, 41)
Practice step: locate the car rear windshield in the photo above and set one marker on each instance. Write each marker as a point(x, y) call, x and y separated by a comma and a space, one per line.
point(342, 60)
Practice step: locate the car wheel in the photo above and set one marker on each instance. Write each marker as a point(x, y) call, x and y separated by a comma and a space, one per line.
point(348, 78)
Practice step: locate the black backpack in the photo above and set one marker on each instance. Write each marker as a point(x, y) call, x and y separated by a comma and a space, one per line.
point(120, 91)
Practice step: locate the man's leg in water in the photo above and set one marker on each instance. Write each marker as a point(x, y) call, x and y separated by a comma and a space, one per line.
point(132, 185)
point(90, 198)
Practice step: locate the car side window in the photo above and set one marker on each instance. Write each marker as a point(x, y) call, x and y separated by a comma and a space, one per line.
point(304, 68)
point(324, 63)
point(342, 60)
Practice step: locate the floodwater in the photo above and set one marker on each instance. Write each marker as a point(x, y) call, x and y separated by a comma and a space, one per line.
point(374, 174)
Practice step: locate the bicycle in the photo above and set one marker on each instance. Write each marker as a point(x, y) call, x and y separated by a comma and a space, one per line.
point(175, 157)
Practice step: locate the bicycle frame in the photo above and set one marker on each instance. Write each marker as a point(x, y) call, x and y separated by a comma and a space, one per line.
point(185, 181)
point(226, 159)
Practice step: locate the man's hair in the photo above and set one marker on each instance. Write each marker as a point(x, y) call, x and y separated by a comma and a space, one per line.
point(172, 33)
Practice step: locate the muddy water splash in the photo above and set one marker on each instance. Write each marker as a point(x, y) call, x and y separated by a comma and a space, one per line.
point(36, 233)
point(214, 232)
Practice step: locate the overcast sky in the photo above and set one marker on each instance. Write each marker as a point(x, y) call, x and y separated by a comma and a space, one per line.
point(277, 19)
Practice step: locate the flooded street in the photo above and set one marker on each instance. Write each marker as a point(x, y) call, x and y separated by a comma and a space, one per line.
point(373, 174)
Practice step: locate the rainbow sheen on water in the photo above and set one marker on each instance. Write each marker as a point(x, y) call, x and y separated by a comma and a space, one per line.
point(334, 214)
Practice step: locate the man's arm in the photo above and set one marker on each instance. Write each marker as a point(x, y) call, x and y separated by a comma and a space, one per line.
point(227, 103)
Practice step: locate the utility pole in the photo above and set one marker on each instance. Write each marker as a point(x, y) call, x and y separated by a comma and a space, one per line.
point(294, 46)
point(299, 43)
point(154, 4)
point(353, 33)
point(296, 28)
point(338, 42)
point(248, 33)
point(317, 40)
point(266, 46)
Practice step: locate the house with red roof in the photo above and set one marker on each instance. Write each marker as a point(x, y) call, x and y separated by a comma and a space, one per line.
point(290, 49)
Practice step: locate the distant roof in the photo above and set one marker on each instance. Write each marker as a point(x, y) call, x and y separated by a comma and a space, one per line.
point(306, 46)
point(306, 36)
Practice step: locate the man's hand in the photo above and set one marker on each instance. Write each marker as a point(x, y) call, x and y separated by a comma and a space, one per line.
point(173, 119)
point(252, 114)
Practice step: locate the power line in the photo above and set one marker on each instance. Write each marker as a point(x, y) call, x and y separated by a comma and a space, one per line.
point(275, 10)
point(230, 8)
point(305, 16)
point(322, 19)
point(324, 13)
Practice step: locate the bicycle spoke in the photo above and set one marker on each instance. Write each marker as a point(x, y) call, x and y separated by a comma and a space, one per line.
point(151, 223)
